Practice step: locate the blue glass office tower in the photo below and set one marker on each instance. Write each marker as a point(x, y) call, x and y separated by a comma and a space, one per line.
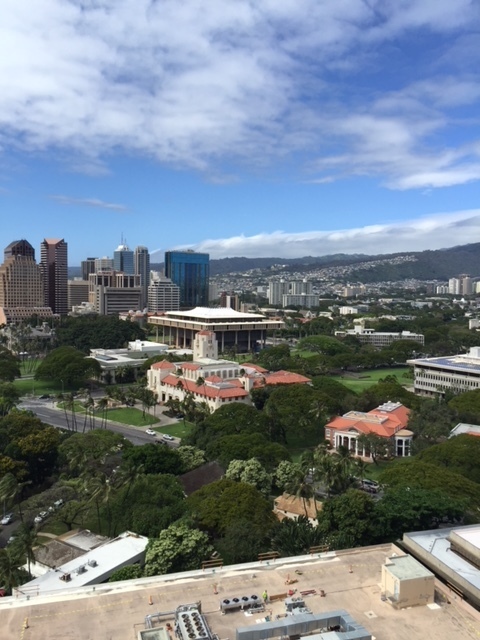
point(123, 260)
point(190, 271)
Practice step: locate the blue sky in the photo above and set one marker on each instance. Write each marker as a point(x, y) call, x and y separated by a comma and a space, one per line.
point(275, 128)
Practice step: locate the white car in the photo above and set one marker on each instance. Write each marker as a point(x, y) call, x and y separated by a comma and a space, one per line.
point(151, 432)
point(167, 437)
point(7, 518)
point(41, 517)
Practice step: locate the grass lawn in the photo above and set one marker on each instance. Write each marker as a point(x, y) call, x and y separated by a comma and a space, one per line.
point(179, 430)
point(28, 367)
point(129, 415)
point(29, 386)
point(364, 380)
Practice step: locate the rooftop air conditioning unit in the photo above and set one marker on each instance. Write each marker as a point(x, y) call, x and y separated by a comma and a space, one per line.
point(92, 562)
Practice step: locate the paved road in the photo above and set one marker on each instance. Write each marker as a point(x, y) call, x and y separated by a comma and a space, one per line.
point(47, 412)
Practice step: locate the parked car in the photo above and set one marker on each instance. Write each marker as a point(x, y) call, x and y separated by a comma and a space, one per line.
point(151, 432)
point(7, 518)
point(167, 437)
point(41, 517)
point(58, 503)
point(11, 539)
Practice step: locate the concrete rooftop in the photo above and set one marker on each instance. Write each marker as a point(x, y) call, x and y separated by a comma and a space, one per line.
point(350, 580)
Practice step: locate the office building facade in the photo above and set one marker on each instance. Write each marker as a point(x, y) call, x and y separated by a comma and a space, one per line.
point(163, 295)
point(88, 267)
point(142, 269)
point(54, 265)
point(112, 293)
point(123, 260)
point(190, 271)
point(21, 282)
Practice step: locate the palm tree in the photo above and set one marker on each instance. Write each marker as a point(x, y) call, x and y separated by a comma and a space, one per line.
point(99, 488)
point(61, 399)
point(102, 404)
point(12, 489)
point(11, 574)
point(26, 540)
point(300, 488)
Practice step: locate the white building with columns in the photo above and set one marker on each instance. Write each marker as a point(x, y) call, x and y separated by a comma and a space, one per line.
point(389, 421)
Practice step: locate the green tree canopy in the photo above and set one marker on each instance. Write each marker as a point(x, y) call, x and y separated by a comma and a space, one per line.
point(467, 406)
point(154, 459)
point(69, 365)
point(459, 454)
point(130, 572)
point(325, 345)
point(218, 505)
point(414, 509)
point(89, 332)
point(178, 548)
point(9, 366)
point(415, 473)
point(93, 451)
point(296, 408)
point(348, 520)
point(250, 472)
point(148, 505)
point(246, 446)
point(295, 537)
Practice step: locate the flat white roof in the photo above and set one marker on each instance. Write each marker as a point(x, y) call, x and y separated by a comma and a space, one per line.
point(118, 552)
point(220, 313)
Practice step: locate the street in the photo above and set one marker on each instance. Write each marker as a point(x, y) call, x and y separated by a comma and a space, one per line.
point(46, 411)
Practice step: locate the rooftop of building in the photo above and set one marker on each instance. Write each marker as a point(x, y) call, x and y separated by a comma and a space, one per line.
point(436, 543)
point(466, 362)
point(462, 428)
point(386, 420)
point(350, 580)
point(407, 567)
point(216, 313)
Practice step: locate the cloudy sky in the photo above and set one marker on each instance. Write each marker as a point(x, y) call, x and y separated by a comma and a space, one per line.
point(275, 128)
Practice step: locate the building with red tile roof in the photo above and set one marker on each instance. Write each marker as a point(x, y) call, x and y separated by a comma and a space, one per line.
point(389, 420)
point(211, 380)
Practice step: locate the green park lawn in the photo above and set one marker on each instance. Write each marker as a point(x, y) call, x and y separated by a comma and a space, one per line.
point(359, 381)
point(179, 430)
point(29, 386)
point(129, 415)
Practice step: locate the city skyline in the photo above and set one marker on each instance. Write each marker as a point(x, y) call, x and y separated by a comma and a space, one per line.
point(285, 130)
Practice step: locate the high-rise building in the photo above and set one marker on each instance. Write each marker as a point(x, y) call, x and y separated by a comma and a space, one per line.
point(103, 264)
point(19, 248)
point(21, 282)
point(142, 269)
point(77, 292)
point(88, 267)
point(123, 260)
point(163, 295)
point(190, 271)
point(54, 265)
point(112, 293)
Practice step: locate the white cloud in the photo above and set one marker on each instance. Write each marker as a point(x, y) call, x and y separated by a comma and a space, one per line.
point(89, 202)
point(196, 83)
point(431, 232)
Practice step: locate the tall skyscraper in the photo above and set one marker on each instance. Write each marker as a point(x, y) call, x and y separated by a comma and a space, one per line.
point(21, 284)
point(190, 271)
point(142, 269)
point(123, 260)
point(54, 265)
point(88, 267)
